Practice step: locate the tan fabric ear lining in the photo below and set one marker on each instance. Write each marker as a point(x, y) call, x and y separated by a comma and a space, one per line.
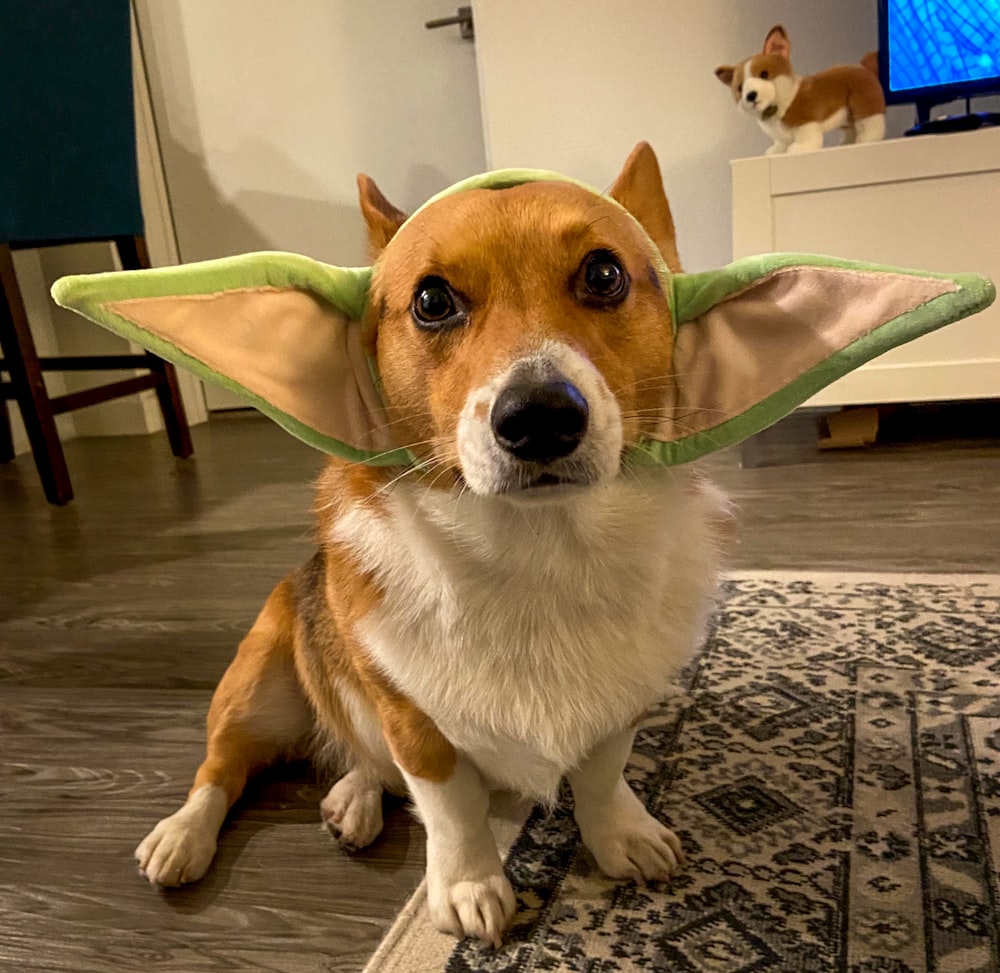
point(759, 340)
point(287, 346)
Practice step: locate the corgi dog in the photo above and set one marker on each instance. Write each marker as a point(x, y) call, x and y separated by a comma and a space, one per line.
point(515, 554)
point(500, 614)
point(796, 111)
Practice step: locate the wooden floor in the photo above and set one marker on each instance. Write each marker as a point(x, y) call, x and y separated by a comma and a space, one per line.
point(119, 612)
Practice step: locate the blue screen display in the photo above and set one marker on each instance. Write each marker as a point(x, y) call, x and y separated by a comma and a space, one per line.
point(933, 42)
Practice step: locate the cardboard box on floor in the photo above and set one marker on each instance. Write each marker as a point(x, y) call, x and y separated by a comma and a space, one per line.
point(849, 429)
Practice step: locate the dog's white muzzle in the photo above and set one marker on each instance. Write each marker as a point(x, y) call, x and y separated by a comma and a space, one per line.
point(548, 420)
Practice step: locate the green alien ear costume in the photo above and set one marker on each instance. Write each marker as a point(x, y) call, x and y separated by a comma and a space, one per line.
point(752, 340)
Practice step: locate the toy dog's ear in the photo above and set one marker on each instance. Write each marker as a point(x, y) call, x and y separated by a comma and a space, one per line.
point(639, 188)
point(777, 42)
point(280, 330)
point(759, 337)
point(382, 217)
point(725, 74)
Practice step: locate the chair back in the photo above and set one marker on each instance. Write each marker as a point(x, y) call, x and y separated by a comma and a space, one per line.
point(67, 128)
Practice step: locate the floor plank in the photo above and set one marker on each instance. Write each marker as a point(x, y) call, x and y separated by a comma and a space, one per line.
point(119, 612)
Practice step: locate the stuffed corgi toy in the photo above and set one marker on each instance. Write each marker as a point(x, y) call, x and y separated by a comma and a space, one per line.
point(796, 111)
point(514, 556)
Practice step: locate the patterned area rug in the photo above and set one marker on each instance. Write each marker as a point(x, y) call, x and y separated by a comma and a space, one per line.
point(833, 771)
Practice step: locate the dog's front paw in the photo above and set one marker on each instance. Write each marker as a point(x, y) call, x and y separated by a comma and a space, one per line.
point(177, 851)
point(628, 842)
point(642, 851)
point(480, 908)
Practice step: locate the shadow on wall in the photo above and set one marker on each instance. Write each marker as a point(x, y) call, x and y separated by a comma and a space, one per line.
point(214, 225)
point(210, 224)
point(422, 182)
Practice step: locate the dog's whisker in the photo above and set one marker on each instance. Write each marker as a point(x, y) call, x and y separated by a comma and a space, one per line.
point(412, 417)
point(409, 471)
point(444, 469)
point(409, 447)
point(671, 412)
point(401, 420)
point(661, 382)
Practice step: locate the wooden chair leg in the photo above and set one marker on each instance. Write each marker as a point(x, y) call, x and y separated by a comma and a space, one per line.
point(21, 361)
point(168, 394)
point(6, 434)
point(133, 254)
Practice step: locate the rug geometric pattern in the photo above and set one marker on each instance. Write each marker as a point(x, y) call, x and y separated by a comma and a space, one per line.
point(833, 771)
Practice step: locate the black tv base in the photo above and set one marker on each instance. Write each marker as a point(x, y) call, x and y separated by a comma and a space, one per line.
point(955, 123)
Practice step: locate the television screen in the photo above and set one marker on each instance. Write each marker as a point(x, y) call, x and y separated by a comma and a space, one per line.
point(939, 42)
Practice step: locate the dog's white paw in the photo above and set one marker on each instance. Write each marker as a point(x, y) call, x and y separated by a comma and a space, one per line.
point(628, 842)
point(178, 850)
point(646, 851)
point(352, 810)
point(480, 909)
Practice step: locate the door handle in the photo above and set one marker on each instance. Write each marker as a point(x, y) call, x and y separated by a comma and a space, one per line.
point(463, 17)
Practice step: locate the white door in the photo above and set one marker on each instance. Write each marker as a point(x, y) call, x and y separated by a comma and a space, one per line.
point(267, 111)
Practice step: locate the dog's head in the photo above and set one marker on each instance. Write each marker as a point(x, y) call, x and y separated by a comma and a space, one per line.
point(522, 336)
point(764, 85)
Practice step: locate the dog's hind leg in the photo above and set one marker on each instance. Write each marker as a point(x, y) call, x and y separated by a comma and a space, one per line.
point(352, 810)
point(871, 129)
point(259, 715)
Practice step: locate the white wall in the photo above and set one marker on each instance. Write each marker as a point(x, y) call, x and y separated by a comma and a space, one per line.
point(572, 85)
point(267, 111)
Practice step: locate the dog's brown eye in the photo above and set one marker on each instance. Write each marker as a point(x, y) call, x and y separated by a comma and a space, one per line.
point(764, 75)
point(435, 305)
point(604, 277)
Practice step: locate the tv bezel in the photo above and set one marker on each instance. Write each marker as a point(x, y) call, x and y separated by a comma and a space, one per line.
point(928, 95)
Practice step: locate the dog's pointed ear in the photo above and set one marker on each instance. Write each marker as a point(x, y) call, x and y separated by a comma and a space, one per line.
point(725, 74)
point(870, 61)
point(758, 338)
point(281, 330)
point(777, 42)
point(639, 188)
point(382, 217)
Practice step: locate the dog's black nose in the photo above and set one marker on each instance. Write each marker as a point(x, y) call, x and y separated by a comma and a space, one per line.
point(540, 422)
point(751, 96)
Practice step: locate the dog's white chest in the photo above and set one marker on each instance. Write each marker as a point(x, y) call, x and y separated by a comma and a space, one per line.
point(776, 129)
point(530, 632)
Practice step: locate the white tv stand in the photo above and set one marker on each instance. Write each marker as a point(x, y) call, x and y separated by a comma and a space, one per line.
point(930, 202)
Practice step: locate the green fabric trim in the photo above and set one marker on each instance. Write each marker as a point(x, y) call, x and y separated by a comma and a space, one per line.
point(504, 179)
point(507, 178)
point(975, 293)
point(345, 288)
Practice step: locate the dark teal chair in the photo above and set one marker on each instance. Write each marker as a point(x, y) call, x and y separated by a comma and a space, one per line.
point(68, 175)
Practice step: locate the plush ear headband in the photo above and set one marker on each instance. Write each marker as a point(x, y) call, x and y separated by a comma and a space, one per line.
point(752, 340)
